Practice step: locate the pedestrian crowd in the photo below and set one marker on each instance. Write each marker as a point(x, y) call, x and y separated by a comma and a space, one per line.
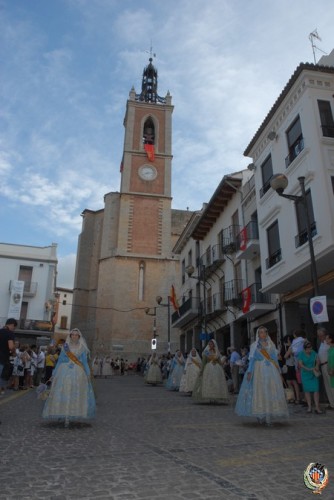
point(264, 379)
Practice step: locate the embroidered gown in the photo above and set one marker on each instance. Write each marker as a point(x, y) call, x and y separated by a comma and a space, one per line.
point(211, 385)
point(153, 375)
point(71, 395)
point(192, 370)
point(263, 396)
point(175, 373)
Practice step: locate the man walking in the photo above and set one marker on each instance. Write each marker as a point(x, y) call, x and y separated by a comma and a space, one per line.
point(323, 356)
point(7, 347)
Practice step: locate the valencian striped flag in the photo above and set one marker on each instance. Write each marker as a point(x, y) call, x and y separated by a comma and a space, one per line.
point(173, 299)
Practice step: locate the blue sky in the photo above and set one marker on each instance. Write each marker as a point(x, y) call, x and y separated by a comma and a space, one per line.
point(68, 67)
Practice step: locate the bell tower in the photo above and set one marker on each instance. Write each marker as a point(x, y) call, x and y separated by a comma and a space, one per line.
point(125, 250)
point(145, 194)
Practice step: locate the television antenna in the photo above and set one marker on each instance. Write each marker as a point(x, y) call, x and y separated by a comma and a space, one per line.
point(312, 37)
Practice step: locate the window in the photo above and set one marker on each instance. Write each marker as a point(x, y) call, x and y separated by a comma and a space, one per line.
point(238, 278)
point(301, 237)
point(183, 271)
point(63, 322)
point(274, 247)
point(190, 258)
point(23, 315)
point(208, 256)
point(295, 141)
point(197, 250)
point(326, 118)
point(25, 274)
point(267, 173)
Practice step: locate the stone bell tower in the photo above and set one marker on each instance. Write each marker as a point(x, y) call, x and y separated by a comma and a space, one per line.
point(131, 260)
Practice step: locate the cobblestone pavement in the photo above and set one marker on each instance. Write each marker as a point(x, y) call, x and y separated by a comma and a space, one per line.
point(150, 444)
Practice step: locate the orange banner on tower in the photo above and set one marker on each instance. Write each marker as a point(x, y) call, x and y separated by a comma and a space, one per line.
point(149, 148)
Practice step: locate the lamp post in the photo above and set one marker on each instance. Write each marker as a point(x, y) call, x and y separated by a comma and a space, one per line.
point(154, 314)
point(160, 303)
point(279, 183)
point(201, 279)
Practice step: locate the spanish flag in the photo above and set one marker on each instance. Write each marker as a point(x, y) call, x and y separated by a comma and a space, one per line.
point(173, 299)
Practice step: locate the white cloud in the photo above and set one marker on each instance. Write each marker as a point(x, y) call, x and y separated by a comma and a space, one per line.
point(64, 94)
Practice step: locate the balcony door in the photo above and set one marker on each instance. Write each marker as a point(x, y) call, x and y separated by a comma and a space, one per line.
point(25, 274)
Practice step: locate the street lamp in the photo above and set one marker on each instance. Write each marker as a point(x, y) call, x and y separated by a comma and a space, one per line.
point(154, 314)
point(201, 279)
point(279, 183)
point(160, 303)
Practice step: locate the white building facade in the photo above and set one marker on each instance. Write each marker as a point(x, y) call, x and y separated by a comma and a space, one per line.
point(220, 282)
point(27, 288)
point(297, 139)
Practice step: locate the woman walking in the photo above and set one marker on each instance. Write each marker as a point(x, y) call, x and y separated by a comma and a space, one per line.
point(71, 397)
point(154, 375)
point(211, 385)
point(309, 365)
point(176, 372)
point(262, 394)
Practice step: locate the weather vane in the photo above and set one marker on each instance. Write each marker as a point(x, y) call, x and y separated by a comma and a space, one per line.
point(152, 54)
point(314, 36)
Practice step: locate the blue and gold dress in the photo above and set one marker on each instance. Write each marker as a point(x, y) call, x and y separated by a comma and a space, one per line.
point(263, 395)
point(71, 396)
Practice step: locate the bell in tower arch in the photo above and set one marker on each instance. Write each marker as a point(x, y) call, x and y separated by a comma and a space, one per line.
point(148, 134)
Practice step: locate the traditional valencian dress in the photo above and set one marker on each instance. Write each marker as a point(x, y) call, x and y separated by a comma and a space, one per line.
point(175, 372)
point(71, 396)
point(106, 366)
point(153, 375)
point(211, 385)
point(263, 396)
point(192, 371)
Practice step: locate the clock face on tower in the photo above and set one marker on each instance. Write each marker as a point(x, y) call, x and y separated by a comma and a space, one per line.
point(147, 172)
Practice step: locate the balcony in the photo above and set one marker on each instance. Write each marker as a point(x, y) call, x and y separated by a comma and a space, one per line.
point(186, 313)
point(327, 130)
point(232, 293)
point(215, 307)
point(302, 238)
point(254, 302)
point(274, 258)
point(229, 239)
point(29, 290)
point(265, 187)
point(295, 150)
point(38, 325)
point(248, 244)
point(212, 260)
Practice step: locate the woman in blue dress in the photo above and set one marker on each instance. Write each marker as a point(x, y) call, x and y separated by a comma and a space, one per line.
point(71, 396)
point(262, 394)
point(308, 361)
point(175, 372)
